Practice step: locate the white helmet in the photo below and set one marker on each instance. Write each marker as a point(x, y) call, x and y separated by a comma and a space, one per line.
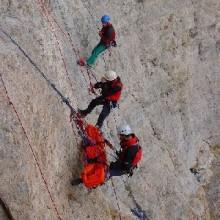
point(124, 129)
point(110, 75)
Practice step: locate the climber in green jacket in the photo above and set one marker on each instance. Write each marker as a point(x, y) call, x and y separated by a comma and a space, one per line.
point(107, 35)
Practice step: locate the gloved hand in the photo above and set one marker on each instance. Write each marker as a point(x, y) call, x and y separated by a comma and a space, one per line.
point(100, 33)
point(113, 43)
point(103, 80)
point(98, 85)
point(113, 105)
point(118, 152)
point(127, 166)
point(72, 115)
point(109, 144)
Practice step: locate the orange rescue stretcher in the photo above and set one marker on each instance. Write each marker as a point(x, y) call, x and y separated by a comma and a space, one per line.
point(94, 158)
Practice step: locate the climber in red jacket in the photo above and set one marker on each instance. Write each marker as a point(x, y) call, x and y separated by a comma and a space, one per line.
point(111, 87)
point(129, 155)
point(107, 35)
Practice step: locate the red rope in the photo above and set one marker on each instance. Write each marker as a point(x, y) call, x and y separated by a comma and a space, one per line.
point(31, 148)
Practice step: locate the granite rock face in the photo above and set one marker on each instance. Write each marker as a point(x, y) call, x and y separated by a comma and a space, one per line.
point(168, 57)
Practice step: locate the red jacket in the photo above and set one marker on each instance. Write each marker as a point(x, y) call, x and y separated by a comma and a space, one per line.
point(131, 152)
point(108, 35)
point(117, 86)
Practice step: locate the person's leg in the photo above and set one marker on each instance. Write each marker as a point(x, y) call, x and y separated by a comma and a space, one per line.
point(76, 182)
point(104, 113)
point(98, 101)
point(95, 53)
point(115, 169)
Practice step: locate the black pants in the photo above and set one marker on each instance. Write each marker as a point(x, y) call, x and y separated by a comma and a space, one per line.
point(117, 169)
point(105, 110)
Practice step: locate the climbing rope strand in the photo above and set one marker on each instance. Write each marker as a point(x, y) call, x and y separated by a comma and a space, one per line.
point(63, 98)
point(92, 73)
point(31, 148)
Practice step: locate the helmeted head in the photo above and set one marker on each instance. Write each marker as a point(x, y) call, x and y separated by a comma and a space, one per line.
point(105, 19)
point(124, 129)
point(110, 75)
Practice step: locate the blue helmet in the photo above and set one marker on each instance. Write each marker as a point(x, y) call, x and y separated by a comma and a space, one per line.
point(105, 19)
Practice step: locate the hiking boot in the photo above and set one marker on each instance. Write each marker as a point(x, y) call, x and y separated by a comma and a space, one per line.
point(99, 128)
point(76, 182)
point(82, 113)
point(81, 61)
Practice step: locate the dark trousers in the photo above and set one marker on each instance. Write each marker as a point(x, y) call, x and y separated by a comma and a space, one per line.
point(116, 169)
point(105, 110)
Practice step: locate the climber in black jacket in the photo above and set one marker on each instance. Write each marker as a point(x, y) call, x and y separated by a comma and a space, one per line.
point(111, 87)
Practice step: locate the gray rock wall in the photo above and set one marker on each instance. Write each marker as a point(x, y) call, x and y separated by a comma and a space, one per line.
point(168, 58)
